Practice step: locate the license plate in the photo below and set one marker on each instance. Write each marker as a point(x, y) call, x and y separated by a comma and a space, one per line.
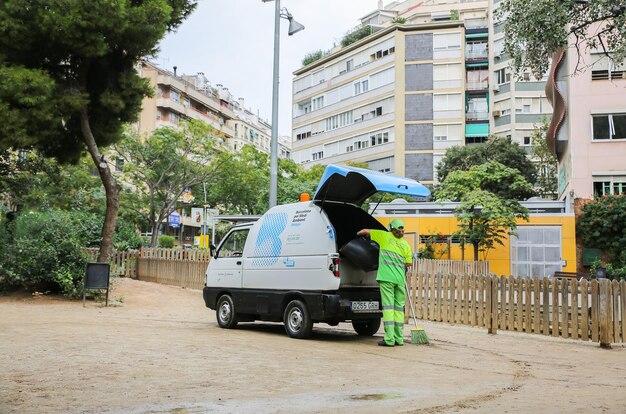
point(364, 306)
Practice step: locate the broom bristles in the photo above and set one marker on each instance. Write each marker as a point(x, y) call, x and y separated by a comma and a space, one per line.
point(418, 336)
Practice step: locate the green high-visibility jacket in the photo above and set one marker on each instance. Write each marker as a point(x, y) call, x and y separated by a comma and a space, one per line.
point(394, 255)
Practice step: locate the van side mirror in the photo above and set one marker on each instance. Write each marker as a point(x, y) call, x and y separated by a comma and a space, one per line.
point(212, 249)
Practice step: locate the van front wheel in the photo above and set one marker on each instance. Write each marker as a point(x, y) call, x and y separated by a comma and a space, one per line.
point(297, 320)
point(225, 312)
point(366, 327)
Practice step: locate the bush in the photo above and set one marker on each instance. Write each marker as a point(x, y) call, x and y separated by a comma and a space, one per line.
point(166, 242)
point(312, 57)
point(356, 35)
point(602, 225)
point(42, 251)
point(126, 237)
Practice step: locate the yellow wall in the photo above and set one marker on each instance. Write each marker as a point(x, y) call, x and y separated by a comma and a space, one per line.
point(500, 256)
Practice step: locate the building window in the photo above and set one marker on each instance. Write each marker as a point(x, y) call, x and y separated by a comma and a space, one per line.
point(174, 118)
point(448, 102)
point(526, 140)
point(384, 165)
point(317, 77)
point(379, 138)
point(303, 135)
point(450, 132)
point(361, 87)
point(536, 251)
point(378, 111)
point(608, 127)
point(447, 41)
point(339, 121)
point(609, 186)
point(317, 103)
point(475, 140)
point(498, 48)
point(382, 53)
point(318, 155)
point(502, 76)
point(604, 68)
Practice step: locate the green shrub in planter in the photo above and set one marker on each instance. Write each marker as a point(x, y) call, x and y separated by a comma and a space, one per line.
point(166, 242)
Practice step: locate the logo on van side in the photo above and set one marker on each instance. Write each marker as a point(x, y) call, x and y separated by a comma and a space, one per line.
point(299, 217)
point(268, 245)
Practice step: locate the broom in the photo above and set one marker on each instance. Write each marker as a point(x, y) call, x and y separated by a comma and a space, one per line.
point(418, 334)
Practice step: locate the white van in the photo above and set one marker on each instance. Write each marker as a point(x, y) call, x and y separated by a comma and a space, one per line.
point(287, 266)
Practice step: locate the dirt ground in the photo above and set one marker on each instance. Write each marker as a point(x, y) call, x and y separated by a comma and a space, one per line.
point(157, 349)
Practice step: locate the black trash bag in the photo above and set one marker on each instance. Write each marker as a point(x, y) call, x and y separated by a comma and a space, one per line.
point(362, 252)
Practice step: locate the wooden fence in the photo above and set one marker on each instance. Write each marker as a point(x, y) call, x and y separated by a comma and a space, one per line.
point(184, 268)
point(457, 267)
point(123, 263)
point(585, 310)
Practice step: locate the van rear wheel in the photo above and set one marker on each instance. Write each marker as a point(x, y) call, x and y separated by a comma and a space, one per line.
point(298, 323)
point(225, 312)
point(366, 327)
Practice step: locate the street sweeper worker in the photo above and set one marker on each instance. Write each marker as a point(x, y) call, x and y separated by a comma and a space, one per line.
point(394, 259)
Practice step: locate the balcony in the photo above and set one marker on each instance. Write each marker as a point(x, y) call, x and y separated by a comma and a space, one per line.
point(476, 56)
point(476, 116)
point(477, 86)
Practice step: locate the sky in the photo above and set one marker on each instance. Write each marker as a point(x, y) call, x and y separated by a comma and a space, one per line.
point(232, 43)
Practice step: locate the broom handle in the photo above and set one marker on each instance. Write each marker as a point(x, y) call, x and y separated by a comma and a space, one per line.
point(406, 286)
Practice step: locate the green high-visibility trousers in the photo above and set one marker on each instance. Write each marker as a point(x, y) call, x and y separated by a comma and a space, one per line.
point(392, 297)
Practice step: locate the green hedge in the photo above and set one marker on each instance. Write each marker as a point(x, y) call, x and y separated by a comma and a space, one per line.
point(41, 250)
point(166, 242)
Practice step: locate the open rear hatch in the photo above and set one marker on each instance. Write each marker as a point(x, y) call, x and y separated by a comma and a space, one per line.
point(353, 185)
point(341, 192)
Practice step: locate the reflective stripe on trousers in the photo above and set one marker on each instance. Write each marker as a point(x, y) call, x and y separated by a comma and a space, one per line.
point(392, 298)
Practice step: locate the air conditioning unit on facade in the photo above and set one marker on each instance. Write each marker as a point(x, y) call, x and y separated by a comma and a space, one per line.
point(496, 114)
point(496, 88)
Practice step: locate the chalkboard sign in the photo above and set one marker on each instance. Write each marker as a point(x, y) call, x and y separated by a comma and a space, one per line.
point(96, 277)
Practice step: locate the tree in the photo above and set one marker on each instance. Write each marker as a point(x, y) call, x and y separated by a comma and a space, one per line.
point(602, 225)
point(547, 164)
point(30, 181)
point(535, 29)
point(164, 165)
point(502, 150)
point(484, 218)
point(246, 171)
point(68, 78)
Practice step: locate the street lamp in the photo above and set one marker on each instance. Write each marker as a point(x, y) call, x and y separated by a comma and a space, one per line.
point(294, 27)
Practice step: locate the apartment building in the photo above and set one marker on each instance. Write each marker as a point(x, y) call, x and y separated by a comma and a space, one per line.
point(194, 97)
point(426, 79)
point(517, 104)
point(182, 97)
point(588, 130)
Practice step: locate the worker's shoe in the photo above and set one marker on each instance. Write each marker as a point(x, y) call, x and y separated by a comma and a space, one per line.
point(399, 343)
point(383, 343)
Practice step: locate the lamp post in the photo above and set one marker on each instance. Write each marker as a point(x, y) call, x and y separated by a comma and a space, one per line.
point(294, 27)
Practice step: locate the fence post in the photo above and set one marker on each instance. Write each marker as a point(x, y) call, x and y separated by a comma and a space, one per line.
point(492, 298)
point(604, 314)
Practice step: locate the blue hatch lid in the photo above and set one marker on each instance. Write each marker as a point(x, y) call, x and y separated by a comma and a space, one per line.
point(354, 185)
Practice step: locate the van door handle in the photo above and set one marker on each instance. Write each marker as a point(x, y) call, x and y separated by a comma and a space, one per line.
point(238, 262)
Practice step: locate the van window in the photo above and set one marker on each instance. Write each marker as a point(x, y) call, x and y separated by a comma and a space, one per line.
point(234, 244)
